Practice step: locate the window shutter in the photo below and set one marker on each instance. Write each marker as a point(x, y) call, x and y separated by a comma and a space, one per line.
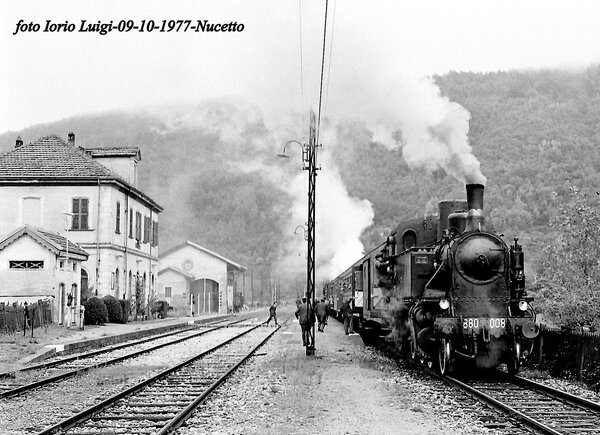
point(118, 219)
point(84, 214)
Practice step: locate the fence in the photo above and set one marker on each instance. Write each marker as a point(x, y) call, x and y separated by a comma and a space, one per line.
point(568, 354)
point(12, 316)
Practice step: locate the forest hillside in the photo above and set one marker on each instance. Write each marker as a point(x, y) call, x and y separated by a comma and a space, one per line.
point(536, 133)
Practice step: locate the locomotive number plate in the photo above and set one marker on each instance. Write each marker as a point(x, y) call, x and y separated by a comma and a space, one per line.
point(491, 323)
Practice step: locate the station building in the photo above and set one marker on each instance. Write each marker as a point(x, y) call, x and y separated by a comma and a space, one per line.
point(88, 196)
point(195, 280)
point(33, 267)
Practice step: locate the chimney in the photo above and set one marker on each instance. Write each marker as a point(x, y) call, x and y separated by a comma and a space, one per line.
point(71, 137)
point(475, 196)
point(475, 217)
point(18, 142)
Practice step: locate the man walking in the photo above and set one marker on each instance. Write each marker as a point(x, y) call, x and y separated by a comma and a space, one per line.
point(322, 310)
point(304, 318)
point(273, 313)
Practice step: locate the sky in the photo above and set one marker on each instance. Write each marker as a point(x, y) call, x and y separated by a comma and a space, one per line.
point(275, 61)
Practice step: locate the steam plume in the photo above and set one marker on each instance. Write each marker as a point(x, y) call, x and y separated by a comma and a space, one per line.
point(430, 130)
point(340, 218)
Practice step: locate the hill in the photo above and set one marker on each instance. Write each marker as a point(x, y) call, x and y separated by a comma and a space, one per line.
point(211, 165)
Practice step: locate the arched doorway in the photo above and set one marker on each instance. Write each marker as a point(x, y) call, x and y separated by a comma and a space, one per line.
point(205, 296)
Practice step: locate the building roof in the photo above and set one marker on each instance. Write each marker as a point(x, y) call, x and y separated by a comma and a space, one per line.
point(50, 160)
point(177, 270)
point(48, 239)
point(203, 249)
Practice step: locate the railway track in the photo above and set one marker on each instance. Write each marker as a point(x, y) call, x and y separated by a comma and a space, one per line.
point(542, 409)
point(161, 403)
point(518, 405)
point(22, 381)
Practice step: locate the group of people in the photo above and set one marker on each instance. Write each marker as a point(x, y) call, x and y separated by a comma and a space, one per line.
point(306, 317)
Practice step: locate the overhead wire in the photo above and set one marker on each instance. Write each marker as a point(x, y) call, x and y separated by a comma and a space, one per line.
point(322, 71)
point(330, 56)
point(301, 62)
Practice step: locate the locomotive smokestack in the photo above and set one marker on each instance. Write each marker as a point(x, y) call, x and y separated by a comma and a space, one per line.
point(475, 217)
point(475, 196)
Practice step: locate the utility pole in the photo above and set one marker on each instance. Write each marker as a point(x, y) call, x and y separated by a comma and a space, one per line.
point(310, 262)
point(309, 159)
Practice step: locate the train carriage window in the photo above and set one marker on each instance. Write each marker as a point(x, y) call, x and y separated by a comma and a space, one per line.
point(409, 239)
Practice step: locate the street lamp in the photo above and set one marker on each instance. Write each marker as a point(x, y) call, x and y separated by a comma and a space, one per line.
point(309, 160)
point(305, 233)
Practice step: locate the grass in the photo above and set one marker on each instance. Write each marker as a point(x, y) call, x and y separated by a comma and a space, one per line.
point(14, 347)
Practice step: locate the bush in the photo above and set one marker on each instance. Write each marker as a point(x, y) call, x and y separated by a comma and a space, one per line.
point(125, 309)
point(115, 313)
point(96, 312)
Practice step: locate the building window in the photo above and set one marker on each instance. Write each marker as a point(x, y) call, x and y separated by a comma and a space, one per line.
point(80, 214)
point(26, 265)
point(138, 226)
point(31, 210)
point(154, 233)
point(131, 223)
point(118, 219)
point(74, 267)
point(61, 264)
point(168, 292)
point(147, 228)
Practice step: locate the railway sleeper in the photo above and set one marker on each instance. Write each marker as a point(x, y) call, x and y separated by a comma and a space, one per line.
point(132, 417)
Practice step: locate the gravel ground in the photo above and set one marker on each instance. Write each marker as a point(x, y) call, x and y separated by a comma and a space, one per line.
point(573, 387)
point(344, 389)
point(31, 412)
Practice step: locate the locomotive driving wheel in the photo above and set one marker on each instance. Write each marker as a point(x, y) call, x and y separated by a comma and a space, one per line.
point(444, 355)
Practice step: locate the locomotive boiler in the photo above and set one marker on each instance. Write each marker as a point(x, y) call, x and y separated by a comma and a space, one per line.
point(447, 286)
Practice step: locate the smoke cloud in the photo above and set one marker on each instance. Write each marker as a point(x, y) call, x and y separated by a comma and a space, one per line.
point(340, 218)
point(430, 130)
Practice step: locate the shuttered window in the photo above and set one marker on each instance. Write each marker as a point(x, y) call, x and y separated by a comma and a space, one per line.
point(147, 229)
point(80, 214)
point(118, 219)
point(138, 226)
point(154, 233)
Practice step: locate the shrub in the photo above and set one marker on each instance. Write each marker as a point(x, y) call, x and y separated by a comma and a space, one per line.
point(115, 313)
point(125, 309)
point(96, 312)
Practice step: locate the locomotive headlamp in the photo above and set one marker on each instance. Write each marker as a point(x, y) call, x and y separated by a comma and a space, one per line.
point(523, 305)
point(444, 304)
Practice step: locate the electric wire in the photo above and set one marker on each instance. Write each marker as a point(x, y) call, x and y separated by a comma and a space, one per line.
point(330, 56)
point(322, 71)
point(301, 63)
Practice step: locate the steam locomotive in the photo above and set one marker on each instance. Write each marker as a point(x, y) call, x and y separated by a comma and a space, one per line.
point(446, 287)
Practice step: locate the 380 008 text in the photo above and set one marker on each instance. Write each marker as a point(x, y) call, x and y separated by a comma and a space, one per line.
point(122, 26)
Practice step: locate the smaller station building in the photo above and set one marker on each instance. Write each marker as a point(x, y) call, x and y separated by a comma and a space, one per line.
point(195, 280)
point(39, 264)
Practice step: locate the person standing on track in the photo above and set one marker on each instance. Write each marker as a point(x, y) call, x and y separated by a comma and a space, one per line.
point(273, 313)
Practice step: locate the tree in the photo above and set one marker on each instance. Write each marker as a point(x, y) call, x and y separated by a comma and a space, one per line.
point(567, 285)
